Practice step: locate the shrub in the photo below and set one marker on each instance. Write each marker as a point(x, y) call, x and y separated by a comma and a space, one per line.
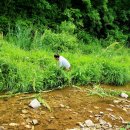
point(88, 73)
point(115, 73)
point(59, 41)
point(67, 27)
point(55, 77)
point(8, 76)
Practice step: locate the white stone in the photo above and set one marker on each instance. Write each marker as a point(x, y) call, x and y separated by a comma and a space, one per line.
point(2, 128)
point(102, 122)
point(109, 109)
point(96, 107)
point(28, 126)
point(35, 122)
point(124, 109)
point(61, 105)
point(24, 111)
point(89, 123)
point(28, 120)
point(101, 112)
point(35, 103)
point(124, 95)
point(109, 124)
point(98, 126)
point(116, 101)
point(13, 124)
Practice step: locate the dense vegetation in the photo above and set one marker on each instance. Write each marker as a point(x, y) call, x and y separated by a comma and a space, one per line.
point(93, 35)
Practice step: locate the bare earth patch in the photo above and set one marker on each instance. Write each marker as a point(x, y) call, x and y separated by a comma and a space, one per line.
point(70, 108)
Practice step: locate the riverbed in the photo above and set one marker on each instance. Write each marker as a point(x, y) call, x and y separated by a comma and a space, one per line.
point(70, 108)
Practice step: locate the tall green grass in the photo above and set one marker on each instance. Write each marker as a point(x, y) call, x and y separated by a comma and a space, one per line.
point(36, 70)
point(27, 63)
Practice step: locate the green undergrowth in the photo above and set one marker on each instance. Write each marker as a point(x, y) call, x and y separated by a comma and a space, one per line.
point(36, 70)
point(102, 92)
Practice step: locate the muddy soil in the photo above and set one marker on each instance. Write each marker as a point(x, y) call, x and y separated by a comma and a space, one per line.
point(68, 107)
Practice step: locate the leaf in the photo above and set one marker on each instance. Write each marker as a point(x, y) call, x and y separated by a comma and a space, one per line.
point(43, 102)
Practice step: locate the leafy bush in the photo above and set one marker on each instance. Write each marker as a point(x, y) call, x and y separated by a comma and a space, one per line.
point(21, 35)
point(35, 70)
point(55, 77)
point(88, 73)
point(59, 42)
point(84, 36)
point(67, 26)
point(8, 76)
point(115, 73)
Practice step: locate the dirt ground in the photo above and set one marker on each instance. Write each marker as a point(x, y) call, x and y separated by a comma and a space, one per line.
point(68, 106)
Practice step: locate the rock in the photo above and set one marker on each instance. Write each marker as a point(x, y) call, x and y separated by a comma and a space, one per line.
point(32, 128)
point(109, 109)
point(96, 107)
point(61, 105)
point(101, 113)
point(97, 118)
point(89, 123)
point(75, 112)
point(90, 116)
point(23, 123)
point(86, 129)
point(28, 126)
point(67, 107)
point(102, 122)
point(111, 105)
point(116, 101)
point(109, 124)
point(98, 126)
point(90, 111)
point(52, 117)
point(24, 111)
point(124, 109)
point(124, 95)
point(13, 124)
point(2, 128)
point(35, 103)
point(34, 122)
point(28, 121)
point(42, 113)
point(104, 127)
point(97, 115)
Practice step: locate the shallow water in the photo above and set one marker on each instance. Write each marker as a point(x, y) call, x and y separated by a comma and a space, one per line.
point(69, 106)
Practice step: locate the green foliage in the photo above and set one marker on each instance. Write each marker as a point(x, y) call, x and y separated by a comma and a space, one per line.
point(102, 92)
point(55, 77)
point(97, 18)
point(59, 41)
point(74, 15)
point(84, 37)
point(87, 73)
point(67, 27)
point(35, 70)
point(97, 90)
point(8, 76)
point(97, 30)
point(22, 35)
point(114, 73)
point(43, 102)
